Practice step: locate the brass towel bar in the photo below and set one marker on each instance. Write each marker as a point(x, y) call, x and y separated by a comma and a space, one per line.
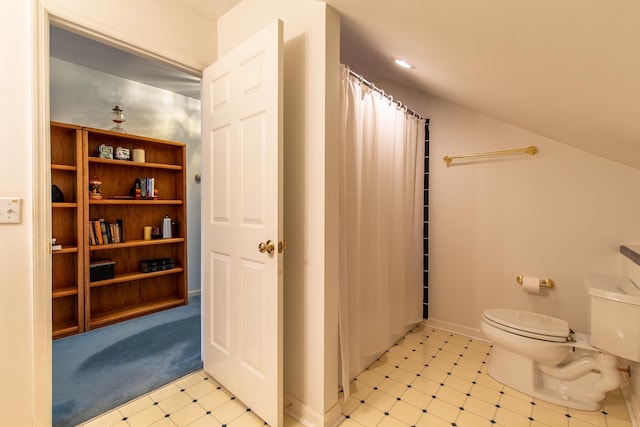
point(531, 150)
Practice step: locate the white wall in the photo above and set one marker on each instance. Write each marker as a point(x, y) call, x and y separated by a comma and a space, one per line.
point(81, 96)
point(561, 214)
point(16, 247)
point(164, 28)
point(176, 33)
point(311, 75)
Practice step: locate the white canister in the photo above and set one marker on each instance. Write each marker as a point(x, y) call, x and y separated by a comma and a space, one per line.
point(166, 227)
point(138, 155)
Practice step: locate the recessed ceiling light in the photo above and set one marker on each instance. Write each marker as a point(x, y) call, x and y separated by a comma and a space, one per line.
point(403, 64)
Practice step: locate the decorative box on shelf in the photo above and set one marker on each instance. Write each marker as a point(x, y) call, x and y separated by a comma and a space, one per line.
point(158, 264)
point(101, 270)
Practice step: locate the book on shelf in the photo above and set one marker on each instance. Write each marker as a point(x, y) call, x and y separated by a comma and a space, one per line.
point(95, 225)
point(92, 235)
point(145, 189)
point(150, 187)
point(120, 230)
point(102, 232)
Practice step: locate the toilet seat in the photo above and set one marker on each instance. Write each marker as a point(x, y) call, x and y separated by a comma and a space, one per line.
point(529, 325)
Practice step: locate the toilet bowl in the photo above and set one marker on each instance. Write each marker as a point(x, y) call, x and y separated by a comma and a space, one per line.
point(539, 355)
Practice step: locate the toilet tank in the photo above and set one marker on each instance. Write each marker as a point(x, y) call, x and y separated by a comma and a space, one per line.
point(615, 315)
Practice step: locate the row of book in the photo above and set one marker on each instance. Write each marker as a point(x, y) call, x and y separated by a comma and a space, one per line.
point(145, 188)
point(102, 232)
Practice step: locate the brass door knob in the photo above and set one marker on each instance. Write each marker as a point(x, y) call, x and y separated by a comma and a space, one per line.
point(268, 247)
point(282, 246)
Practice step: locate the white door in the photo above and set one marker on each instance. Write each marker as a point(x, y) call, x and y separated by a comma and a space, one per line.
point(242, 209)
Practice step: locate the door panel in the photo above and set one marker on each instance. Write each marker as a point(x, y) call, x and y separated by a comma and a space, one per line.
point(242, 207)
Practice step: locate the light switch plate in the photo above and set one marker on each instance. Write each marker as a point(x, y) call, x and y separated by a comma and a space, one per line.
point(10, 210)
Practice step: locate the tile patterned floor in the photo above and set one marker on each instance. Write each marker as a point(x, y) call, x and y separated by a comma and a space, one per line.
point(429, 378)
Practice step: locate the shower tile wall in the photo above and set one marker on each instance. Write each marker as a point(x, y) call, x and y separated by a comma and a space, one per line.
point(425, 274)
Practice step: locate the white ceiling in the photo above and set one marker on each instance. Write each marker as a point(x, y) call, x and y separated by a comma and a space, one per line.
point(568, 70)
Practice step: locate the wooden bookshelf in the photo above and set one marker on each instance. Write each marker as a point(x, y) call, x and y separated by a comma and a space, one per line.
point(67, 278)
point(78, 304)
point(131, 293)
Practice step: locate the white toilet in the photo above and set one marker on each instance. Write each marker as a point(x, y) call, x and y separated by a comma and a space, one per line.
point(539, 355)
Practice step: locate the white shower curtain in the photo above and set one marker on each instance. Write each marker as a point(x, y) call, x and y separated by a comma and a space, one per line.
point(381, 219)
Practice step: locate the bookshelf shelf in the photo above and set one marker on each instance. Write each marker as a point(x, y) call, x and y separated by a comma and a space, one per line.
point(66, 250)
point(127, 163)
point(135, 243)
point(65, 292)
point(126, 277)
point(63, 329)
point(133, 310)
point(135, 202)
point(70, 168)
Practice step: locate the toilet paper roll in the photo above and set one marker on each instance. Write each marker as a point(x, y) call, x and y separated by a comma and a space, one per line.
point(531, 285)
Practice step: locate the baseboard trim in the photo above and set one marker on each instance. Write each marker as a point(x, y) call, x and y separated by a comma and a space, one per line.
point(455, 328)
point(194, 293)
point(306, 416)
point(334, 417)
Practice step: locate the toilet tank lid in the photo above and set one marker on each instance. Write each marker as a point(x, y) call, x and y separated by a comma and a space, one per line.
point(613, 288)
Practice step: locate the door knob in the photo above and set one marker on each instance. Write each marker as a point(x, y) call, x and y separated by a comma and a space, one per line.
point(282, 246)
point(268, 247)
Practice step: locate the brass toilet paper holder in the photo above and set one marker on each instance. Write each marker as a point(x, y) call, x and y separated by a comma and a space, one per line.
point(544, 283)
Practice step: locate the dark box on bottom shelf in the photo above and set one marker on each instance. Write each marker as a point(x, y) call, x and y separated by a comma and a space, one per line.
point(101, 270)
point(158, 264)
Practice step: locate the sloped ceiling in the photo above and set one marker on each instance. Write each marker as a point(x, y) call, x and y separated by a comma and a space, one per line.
point(568, 70)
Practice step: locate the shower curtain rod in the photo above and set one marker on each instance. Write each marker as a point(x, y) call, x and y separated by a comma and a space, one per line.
point(399, 104)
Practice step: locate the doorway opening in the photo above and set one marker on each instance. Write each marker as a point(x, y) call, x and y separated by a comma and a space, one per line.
point(161, 101)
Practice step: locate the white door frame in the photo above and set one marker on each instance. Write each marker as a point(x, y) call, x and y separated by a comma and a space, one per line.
point(43, 17)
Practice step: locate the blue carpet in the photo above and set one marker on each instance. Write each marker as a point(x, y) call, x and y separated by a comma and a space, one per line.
point(101, 369)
